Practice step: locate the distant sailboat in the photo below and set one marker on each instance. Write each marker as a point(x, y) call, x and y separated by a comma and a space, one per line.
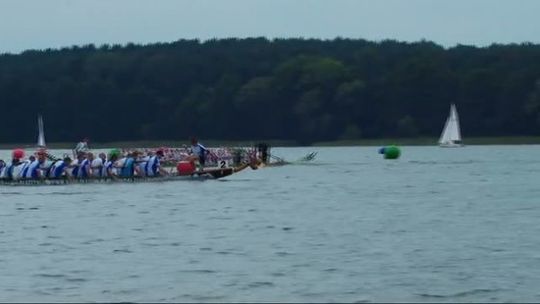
point(451, 134)
point(41, 134)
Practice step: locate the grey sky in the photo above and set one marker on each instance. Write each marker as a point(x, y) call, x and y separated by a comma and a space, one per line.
point(39, 24)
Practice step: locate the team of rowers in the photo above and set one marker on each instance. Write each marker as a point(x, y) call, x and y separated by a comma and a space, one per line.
point(86, 165)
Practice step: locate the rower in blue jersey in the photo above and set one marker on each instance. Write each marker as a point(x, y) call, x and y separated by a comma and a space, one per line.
point(83, 167)
point(2, 168)
point(12, 171)
point(98, 166)
point(86, 167)
point(75, 164)
point(128, 167)
point(30, 165)
point(153, 166)
point(31, 171)
point(109, 166)
point(60, 169)
point(142, 164)
point(36, 167)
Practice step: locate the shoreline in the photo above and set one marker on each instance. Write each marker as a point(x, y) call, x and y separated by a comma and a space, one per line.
point(432, 141)
point(419, 141)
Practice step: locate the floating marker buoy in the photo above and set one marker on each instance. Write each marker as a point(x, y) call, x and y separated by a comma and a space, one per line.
point(390, 152)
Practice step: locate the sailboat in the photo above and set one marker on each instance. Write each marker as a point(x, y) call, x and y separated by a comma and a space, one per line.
point(41, 134)
point(451, 134)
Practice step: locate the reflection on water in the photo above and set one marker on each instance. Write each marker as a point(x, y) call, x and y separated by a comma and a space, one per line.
point(454, 225)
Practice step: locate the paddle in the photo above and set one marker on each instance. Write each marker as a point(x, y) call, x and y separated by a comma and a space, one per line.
point(279, 159)
point(310, 156)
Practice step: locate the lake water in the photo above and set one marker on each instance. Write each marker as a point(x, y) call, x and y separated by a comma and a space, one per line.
point(436, 225)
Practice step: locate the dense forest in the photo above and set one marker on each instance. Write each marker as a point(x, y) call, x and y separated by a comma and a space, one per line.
point(303, 90)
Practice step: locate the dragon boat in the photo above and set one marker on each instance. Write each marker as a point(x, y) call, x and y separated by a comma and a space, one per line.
point(184, 172)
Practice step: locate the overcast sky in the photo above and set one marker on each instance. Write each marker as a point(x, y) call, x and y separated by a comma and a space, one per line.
point(40, 24)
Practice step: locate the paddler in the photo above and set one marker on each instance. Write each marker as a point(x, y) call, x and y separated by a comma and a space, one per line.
point(12, 171)
point(2, 168)
point(153, 166)
point(44, 162)
point(98, 166)
point(128, 166)
point(142, 163)
point(36, 166)
point(198, 153)
point(60, 168)
point(25, 166)
point(111, 165)
point(81, 161)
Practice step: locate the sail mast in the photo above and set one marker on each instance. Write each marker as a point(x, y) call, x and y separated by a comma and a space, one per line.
point(41, 134)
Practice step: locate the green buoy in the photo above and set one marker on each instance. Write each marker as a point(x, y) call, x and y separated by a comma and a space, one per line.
point(390, 152)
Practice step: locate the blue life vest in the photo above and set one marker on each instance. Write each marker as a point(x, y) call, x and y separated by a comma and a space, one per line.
point(83, 171)
point(75, 171)
point(152, 166)
point(47, 172)
point(106, 167)
point(57, 169)
point(129, 167)
point(33, 168)
point(24, 171)
point(9, 172)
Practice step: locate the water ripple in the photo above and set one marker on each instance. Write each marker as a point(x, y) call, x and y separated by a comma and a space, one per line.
point(49, 275)
point(260, 284)
point(461, 294)
point(199, 271)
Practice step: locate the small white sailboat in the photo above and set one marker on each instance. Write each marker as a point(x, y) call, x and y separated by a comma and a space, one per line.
point(451, 134)
point(41, 134)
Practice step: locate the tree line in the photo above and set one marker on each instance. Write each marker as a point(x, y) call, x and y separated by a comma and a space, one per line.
point(303, 90)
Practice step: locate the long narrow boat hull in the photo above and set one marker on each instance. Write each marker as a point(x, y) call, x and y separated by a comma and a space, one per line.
point(206, 174)
point(66, 181)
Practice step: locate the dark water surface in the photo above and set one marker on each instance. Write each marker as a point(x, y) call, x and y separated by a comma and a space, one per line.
point(455, 225)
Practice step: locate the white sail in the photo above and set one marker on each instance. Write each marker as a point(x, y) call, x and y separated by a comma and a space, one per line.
point(41, 135)
point(456, 132)
point(451, 134)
